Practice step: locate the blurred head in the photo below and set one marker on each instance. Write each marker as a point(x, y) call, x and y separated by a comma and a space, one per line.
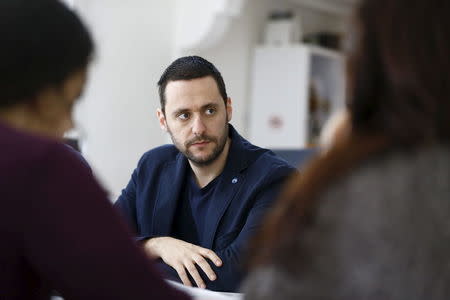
point(195, 109)
point(398, 64)
point(399, 95)
point(44, 53)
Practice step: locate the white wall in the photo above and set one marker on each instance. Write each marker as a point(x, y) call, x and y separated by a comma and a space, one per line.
point(117, 115)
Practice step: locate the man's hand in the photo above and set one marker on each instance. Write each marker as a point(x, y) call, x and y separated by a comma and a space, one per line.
point(183, 256)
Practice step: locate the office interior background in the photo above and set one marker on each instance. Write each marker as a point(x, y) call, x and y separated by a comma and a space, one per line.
point(282, 62)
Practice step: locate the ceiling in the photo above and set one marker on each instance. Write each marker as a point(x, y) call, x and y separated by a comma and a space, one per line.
point(341, 7)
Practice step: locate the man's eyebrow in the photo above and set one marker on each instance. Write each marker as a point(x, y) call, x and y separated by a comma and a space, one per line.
point(210, 104)
point(179, 111)
point(183, 110)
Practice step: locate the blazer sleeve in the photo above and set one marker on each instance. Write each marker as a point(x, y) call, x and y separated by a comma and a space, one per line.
point(75, 239)
point(126, 203)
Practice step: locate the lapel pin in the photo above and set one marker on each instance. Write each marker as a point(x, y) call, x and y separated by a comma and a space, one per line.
point(234, 180)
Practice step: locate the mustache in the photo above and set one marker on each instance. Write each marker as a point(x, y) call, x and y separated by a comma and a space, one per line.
point(197, 139)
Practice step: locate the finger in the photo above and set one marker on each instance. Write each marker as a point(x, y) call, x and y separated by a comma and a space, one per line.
point(190, 267)
point(204, 265)
point(211, 255)
point(183, 275)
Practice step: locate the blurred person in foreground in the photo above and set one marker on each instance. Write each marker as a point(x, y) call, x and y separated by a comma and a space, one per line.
point(59, 231)
point(370, 218)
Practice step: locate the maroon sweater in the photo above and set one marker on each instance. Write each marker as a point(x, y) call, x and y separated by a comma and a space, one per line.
point(59, 232)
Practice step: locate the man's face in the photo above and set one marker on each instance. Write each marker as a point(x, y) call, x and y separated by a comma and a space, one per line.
point(196, 118)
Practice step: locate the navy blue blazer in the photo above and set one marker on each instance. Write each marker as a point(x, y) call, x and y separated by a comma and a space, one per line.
point(248, 186)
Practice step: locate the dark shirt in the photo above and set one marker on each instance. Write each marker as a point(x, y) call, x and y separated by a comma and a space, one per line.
point(59, 231)
point(195, 202)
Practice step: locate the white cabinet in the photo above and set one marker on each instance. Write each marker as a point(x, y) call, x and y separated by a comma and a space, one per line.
point(281, 93)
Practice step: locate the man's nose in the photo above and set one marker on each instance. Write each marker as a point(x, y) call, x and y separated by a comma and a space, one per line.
point(198, 127)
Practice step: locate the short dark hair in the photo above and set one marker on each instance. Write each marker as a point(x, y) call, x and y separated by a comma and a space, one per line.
point(42, 43)
point(186, 68)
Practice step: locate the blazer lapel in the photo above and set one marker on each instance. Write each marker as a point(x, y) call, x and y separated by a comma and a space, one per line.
point(229, 184)
point(172, 180)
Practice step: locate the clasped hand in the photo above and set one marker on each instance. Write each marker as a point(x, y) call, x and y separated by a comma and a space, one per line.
point(183, 256)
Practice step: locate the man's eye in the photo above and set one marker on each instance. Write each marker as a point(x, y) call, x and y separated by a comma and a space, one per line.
point(210, 111)
point(183, 116)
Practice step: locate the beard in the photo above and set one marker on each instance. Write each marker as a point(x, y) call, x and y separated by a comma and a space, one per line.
point(210, 158)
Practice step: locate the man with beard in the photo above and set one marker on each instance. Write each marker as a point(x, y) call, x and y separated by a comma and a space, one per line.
point(195, 204)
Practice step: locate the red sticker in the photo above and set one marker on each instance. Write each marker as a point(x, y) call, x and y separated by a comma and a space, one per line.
point(275, 122)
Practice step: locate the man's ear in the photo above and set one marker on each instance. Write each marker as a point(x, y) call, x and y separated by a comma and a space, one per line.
point(162, 119)
point(229, 109)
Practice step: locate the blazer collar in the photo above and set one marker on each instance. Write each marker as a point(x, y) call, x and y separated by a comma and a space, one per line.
point(238, 155)
point(173, 176)
point(230, 182)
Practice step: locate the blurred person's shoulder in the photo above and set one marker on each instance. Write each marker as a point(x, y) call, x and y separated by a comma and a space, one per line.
point(392, 186)
point(391, 211)
point(23, 154)
point(425, 166)
point(19, 148)
point(79, 156)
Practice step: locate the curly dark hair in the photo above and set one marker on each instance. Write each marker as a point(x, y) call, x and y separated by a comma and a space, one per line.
point(42, 43)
